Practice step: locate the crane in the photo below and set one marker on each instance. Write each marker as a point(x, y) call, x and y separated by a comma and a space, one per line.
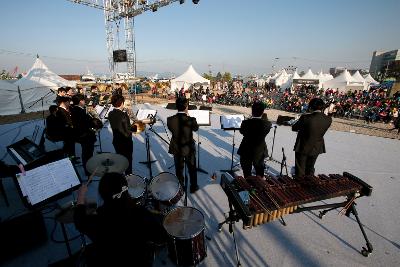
point(116, 11)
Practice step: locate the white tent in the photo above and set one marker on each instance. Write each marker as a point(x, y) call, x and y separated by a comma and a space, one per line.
point(309, 75)
point(9, 99)
point(368, 78)
point(357, 76)
point(38, 87)
point(295, 75)
point(188, 78)
point(323, 77)
point(344, 82)
point(282, 78)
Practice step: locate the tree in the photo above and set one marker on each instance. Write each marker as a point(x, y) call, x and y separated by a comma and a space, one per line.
point(219, 76)
point(208, 76)
point(227, 77)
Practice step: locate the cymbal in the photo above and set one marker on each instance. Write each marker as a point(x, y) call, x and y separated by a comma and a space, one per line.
point(66, 213)
point(106, 162)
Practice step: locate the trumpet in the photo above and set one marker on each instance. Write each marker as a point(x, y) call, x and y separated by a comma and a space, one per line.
point(140, 126)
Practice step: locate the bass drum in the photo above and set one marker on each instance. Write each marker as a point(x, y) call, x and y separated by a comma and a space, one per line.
point(137, 188)
point(185, 228)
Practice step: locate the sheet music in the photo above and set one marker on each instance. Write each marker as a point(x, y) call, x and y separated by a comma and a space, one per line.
point(48, 180)
point(202, 116)
point(231, 121)
point(145, 113)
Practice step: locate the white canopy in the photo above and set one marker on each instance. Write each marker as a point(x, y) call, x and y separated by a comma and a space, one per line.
point(309, 75)
point(295, 75)
point(40, 85)
point(188, 78)
point(9, 98)
point(357, 76)
point(282, 78)
point(344, 82)
point(368, 78)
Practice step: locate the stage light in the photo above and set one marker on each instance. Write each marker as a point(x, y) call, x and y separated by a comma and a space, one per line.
point(196, 2)
point(154, 8)
point(181, 1)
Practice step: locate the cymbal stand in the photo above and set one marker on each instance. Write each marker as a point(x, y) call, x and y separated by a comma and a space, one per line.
point(230, 220)
point(233, 151)
point(148, 161)
point(283, 163)
point(199, 169)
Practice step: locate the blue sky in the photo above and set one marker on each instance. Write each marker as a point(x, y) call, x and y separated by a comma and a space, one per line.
point(238, 36)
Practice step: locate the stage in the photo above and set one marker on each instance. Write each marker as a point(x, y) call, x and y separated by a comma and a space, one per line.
point(305, 241)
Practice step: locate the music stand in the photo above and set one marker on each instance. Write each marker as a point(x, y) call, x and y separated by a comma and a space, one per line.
point(48, 182)
point(228, 123)
point(141, 115)
point(203, 119)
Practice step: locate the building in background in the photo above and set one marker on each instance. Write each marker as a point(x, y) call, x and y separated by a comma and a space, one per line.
point(382, 63)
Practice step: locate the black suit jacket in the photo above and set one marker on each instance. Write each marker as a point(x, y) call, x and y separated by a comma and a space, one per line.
point(311, 130)
point(120, 125)
point(82, 122)
point(182, 127)
point(254, 132)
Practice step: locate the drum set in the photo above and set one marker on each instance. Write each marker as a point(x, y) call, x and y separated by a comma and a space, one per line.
point(184, 225)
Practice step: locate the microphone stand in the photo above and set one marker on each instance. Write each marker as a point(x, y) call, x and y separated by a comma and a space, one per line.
point(273, 142)
point(148, 161)
point(233, 151)
point(199, 169)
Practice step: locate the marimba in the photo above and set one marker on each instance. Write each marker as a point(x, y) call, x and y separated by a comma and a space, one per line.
point(273, 197)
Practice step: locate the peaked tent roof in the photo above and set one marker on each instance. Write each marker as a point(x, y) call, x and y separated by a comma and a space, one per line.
point(9, 98)
point(341, 81)
point(368, 78)
point(188, 78)
point(309, 75)
point(295, 75)
point(357, 76)
point(38, 85)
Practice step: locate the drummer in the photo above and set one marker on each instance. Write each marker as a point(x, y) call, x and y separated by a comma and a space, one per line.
point(120, 230)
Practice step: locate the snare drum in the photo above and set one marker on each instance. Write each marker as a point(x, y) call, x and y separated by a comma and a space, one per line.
point(136, 188)
point(166, 188)
point(185, 228)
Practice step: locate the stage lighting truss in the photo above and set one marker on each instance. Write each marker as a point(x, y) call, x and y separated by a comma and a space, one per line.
point(127, 8)
point(117, 10)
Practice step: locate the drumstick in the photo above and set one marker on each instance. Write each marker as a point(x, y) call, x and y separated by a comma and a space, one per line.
point(91, 176)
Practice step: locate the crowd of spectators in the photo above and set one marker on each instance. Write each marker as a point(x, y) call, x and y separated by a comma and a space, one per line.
point(371, 105)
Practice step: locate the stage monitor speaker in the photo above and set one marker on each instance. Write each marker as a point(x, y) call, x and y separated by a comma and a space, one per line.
point(192, 107)
point(21, 233)
point(120, 56)
point(283, 120)
point(171, 106)
point(205, 108)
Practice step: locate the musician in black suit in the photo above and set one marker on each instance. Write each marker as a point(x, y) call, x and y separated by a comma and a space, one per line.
point(63, 114)
point(253, 149)
point(83, 128)
point(310, 142)
point(182, 144)
point(122, 130)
